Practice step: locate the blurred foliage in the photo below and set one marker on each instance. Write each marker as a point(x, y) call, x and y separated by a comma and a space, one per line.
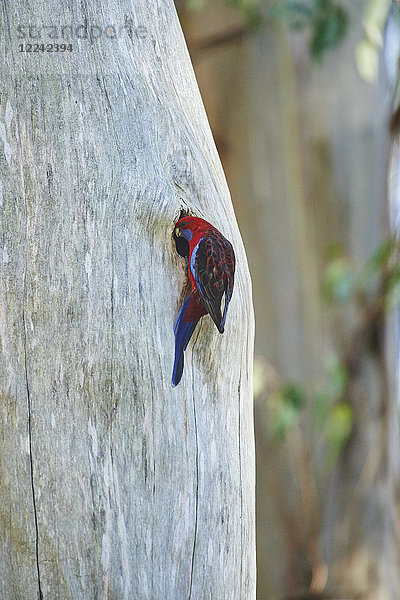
point(332, 416)
point(326, 20)
point(250, 11)
point(339, 279)
point(285, 407)
point(372, 289)
point(343, 283)
point(368, 49)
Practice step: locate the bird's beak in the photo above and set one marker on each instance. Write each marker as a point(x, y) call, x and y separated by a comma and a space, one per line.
point(177, 231)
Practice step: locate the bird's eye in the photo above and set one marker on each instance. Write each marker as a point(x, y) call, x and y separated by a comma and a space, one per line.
point(177, 231)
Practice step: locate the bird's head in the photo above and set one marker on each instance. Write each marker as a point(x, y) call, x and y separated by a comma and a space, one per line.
point(187, 226)
point(184, 229)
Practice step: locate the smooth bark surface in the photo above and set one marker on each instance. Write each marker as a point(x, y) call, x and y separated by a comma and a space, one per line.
point(113, 484)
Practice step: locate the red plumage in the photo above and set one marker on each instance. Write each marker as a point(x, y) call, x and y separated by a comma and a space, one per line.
point(211, 268)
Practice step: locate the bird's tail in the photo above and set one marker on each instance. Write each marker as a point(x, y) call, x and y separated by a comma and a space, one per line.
point(184, 327)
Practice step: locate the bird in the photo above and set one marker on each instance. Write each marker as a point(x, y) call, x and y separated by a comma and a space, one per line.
point(210, 263)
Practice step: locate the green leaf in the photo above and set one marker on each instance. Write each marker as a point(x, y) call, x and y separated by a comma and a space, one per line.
point(393, 277)
point(250, 10)
point(339, 281)
point(283, 421)
point(329, 28)
point(338, 428)
point(285, 408)
point(378, 261)
point(293, 394)
point(392, 296)
point(252, 16)
point(282, 418)
point(381, 255)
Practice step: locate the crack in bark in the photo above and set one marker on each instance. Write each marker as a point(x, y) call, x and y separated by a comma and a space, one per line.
point(24, 335)
point(197, 490)
point(28, 395)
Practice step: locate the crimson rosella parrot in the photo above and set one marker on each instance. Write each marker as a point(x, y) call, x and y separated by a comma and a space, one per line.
point(211, 269)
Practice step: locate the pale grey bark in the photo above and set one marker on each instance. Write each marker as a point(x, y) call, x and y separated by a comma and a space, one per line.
point(114, 485)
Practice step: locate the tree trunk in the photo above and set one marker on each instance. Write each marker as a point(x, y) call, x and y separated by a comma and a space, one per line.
point(113, 484)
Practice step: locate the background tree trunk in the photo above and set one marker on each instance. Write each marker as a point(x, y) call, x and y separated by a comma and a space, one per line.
point(112, 483)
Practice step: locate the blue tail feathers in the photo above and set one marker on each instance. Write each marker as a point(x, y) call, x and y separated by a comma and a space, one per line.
point(183, 332)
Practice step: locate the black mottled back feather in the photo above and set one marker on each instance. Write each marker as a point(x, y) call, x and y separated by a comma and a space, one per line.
point(215, 267)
